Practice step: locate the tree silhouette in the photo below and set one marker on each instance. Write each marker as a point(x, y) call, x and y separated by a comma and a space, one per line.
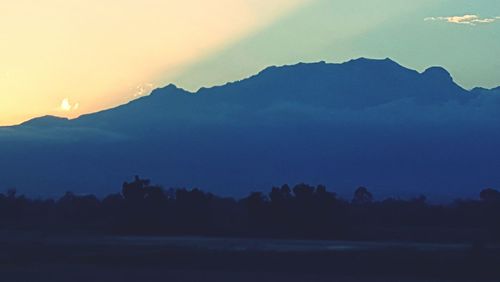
point(490, 195)
point(136, 190)
point(362, 196)
point(303, 211)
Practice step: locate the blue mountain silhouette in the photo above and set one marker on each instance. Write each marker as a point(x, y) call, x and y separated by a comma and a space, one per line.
point(363, 122)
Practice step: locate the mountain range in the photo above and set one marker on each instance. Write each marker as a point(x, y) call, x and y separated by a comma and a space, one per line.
point(364, 122)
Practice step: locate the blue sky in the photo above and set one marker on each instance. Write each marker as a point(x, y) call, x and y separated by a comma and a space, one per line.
point(417, 34)
point(68, 58)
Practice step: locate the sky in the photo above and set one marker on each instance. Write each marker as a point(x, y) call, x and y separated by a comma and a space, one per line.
point(71, 57)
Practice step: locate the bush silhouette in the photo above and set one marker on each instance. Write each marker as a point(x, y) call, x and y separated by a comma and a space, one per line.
point(303, 211)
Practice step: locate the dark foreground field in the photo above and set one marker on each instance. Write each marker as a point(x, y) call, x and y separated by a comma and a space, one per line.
point(87, 258)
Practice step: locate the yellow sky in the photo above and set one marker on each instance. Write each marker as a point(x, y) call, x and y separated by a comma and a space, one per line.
point(68, 57)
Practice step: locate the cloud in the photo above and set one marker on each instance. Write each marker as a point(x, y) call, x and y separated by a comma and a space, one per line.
point(465, 19)
point(67, 106)
point(143, 89)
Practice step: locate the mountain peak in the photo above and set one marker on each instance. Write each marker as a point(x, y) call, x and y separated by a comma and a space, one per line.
point(47, 120)
point(363, 61)
point(371, 60)
point(164, 92)
point(438, 73)
point(167, 89)
point(171, 86)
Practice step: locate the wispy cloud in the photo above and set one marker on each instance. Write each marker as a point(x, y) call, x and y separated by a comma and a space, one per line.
point(67, 106)
point(465, 19)
point(143, 89)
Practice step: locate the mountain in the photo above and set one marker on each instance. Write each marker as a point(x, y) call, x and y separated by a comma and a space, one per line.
point(45, 121)
point(363, 122)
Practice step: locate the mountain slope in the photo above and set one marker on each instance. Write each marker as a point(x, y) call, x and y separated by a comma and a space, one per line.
point(364, 122)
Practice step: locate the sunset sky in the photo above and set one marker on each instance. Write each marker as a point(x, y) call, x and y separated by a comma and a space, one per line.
point(69, 57)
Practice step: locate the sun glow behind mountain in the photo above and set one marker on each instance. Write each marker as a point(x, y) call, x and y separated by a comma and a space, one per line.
point(101, 53)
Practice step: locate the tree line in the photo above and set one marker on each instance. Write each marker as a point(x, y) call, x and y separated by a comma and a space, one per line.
point(301, 211)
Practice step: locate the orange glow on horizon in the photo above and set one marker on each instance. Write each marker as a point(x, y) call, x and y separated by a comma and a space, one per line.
point(69, 57)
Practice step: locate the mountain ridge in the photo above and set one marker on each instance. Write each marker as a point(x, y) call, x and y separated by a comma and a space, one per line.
point(435, 72)
point(363, 122)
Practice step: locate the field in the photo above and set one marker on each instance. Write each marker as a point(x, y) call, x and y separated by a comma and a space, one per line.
point(42, 257)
